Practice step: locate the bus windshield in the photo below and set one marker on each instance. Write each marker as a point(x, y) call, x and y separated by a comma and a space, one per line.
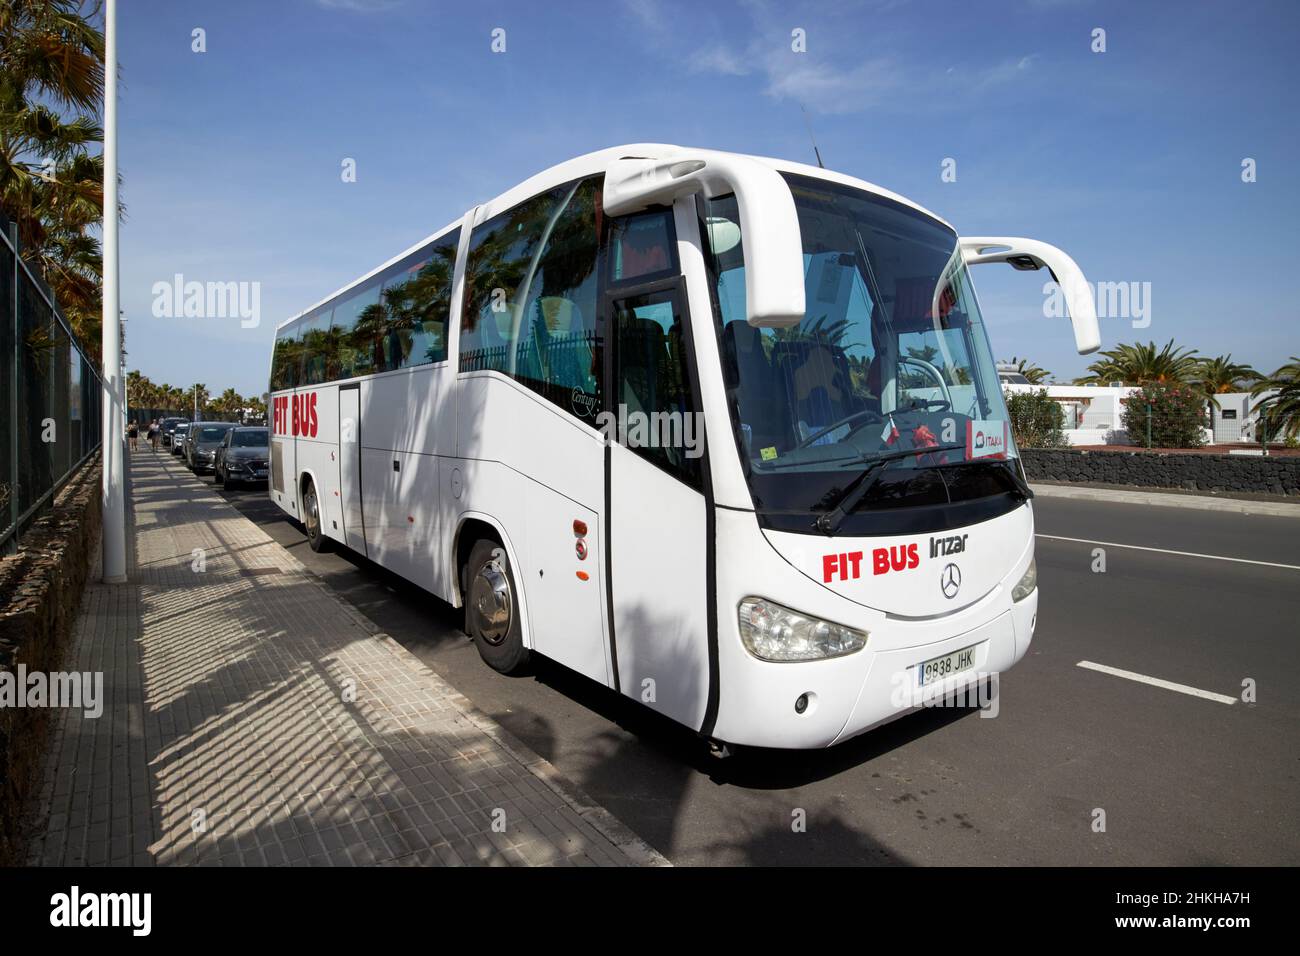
point(891, 355)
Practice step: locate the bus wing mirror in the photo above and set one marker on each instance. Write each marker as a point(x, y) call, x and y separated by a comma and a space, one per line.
point(769, 225)
point(1032, 254)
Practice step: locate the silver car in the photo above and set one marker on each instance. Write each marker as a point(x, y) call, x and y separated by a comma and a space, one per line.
point(178, 438)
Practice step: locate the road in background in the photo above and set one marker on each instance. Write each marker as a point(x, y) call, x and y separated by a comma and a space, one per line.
point(1180, 779)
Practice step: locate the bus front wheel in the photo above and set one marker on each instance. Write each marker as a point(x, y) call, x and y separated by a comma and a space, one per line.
point(492, 608)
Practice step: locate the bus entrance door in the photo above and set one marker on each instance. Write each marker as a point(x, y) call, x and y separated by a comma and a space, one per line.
point(655, 507)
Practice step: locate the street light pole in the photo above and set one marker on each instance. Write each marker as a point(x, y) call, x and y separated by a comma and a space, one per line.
point(113, 490)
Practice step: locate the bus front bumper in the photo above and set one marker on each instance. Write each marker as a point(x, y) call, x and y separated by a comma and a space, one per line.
point(847, 696)
point(893, 684)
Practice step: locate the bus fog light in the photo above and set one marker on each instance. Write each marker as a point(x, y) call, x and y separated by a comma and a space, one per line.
point(1027, 583)
point(801, 703)
point(772, 632)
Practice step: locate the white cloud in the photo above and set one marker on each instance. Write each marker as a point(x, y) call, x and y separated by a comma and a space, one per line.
point(830, 89)
point(720, 60)
point(360, 6)
point(823, 81)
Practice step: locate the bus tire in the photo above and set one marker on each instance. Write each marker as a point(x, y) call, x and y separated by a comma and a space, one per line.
point(492, 608)
point(311, 520)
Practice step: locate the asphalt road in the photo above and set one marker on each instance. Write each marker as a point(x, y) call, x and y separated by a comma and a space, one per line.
point(1181, 779)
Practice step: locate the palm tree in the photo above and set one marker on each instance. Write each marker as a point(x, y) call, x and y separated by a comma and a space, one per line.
point(1142, 365)
point(1282, 408)
point(1032, 373)
point(52, 58)
point(1215, 376)
point(228, 402)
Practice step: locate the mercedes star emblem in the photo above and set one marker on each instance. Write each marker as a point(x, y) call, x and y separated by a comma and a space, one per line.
point(950, 580)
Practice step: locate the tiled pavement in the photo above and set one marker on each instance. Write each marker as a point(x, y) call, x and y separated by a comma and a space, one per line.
point(251, 717)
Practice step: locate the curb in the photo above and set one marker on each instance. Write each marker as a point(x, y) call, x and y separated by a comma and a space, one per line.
point(1165, 499)
point(601, 820)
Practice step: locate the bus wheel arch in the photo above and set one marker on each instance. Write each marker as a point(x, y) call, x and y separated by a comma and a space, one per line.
point(313, 518)
point(475, 528)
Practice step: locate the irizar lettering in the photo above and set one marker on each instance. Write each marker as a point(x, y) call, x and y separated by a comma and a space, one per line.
point(953, 544)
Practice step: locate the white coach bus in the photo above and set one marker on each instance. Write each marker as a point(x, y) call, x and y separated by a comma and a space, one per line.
point(720, 432)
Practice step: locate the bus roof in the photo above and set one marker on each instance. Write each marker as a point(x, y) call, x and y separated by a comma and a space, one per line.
point(595, 162)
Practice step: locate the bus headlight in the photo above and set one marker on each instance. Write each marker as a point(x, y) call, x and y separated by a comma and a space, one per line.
point(1027, 583)
point(775, 633)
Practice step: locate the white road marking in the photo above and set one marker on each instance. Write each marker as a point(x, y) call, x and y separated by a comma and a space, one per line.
point(1157, 682)
point(1185, 554)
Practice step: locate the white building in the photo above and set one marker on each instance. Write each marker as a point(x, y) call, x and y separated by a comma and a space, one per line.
point(1093, 414)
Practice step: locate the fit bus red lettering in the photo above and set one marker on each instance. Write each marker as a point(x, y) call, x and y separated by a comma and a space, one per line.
point(847, 566)
point(900, 557)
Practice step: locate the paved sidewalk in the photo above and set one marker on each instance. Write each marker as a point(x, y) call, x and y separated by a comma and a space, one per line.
point(1170, 499)
point(251, 717)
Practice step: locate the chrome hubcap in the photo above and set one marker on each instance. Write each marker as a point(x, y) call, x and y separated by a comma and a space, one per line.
point(313, 514)
point(490, 601)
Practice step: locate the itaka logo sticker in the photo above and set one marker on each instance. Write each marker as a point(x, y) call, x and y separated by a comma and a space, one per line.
point(986, 439)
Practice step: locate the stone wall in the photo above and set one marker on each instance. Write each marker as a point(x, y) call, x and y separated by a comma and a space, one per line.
point(40, 591)
point(1278, 475)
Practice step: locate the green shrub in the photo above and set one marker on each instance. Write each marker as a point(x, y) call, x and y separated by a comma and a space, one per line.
point(1177, 416)
point(1036, 420)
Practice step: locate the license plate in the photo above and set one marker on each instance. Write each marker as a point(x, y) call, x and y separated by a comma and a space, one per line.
point(259, 472)
point(940, 667)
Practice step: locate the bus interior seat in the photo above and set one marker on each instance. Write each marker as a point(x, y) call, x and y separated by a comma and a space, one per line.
point(756, 389)
point(816, 377)
point(642, 349)
point(567, 353)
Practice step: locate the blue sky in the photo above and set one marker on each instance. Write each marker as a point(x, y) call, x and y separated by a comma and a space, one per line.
point(1130, 159)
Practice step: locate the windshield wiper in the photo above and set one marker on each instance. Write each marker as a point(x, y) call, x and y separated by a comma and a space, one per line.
point(1022, 487)
point(828, 522)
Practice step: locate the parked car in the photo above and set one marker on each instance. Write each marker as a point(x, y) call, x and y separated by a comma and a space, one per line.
point(178, 437)
point(243, 455)
point(201, 444)
point(169, 429)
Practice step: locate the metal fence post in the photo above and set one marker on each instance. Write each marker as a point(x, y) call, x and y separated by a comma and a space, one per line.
point(15, 421)
point(1148, 427)
point(1263, 424)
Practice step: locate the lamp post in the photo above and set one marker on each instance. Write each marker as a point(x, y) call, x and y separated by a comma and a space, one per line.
point(113, 490)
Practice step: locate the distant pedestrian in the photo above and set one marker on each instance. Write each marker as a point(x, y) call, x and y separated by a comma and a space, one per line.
point(155, 429)
point(132, 434)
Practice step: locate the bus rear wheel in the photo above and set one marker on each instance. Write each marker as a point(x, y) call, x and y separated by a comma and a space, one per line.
point(492, 608)
point(311, 519)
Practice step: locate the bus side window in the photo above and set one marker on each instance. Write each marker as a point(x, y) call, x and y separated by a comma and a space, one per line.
point(318, 354)
point(641, 247)
point(416, 306)
point(358, 320)
point(284, 363)
point(530, 308)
